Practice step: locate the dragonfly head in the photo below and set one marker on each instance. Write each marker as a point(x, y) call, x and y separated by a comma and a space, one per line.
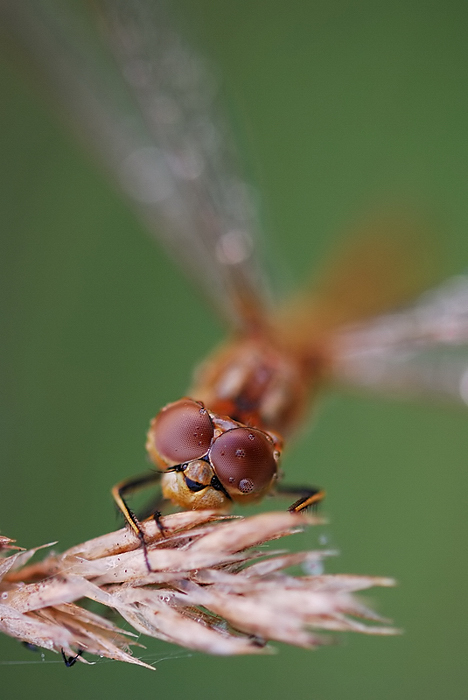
point(209, 461)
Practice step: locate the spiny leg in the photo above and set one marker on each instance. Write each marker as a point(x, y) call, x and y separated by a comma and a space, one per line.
point(307, 496)
point(153, 509)
point(130, 486)
point(71, 660)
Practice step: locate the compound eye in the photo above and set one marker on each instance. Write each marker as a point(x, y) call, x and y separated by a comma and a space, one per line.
point(182, 431)
point(243, 459)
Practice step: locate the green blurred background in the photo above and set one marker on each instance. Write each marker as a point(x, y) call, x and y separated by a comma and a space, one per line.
point(343, 106)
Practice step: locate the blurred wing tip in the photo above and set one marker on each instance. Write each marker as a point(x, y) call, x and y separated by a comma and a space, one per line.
point(463, 387)
point(418, 351)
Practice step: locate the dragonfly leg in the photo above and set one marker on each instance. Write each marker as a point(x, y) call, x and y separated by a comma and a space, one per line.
point(153, 510)
point(131, 485)
point(307, 496)
point(71, 660)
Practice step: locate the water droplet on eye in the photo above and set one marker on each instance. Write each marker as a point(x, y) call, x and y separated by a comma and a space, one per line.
point(4, 595)
point(251, 436)
point(246, 485)
point(240, 453)
point(231, 479)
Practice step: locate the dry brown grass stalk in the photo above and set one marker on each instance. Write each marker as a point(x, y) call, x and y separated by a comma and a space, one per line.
point(213, 588)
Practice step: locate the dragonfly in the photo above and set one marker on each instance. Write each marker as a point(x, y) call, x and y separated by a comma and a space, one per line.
point(147, 106)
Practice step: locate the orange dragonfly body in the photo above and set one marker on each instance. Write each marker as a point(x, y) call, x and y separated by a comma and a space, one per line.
point(223, 443)
point(248, 396)
point(150, 116)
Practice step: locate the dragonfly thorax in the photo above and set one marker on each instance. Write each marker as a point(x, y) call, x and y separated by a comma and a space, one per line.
point(258, 382)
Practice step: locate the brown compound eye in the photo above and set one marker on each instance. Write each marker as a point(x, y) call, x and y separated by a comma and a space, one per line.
point(243, 459)
point(182, 431)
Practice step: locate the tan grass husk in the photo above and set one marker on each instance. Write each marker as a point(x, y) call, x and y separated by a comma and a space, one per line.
point(213, 587)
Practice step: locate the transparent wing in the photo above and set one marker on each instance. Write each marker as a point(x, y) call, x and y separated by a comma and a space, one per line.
point(147, 107)
point(419, 351)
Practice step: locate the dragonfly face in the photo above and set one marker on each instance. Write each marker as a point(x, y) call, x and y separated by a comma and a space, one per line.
point(209, 460)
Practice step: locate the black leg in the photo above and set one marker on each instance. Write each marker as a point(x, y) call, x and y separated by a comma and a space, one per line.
point(71, 660)
point(154, 507)
point(159, 523)
point(130, 486)
point(307, 496)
